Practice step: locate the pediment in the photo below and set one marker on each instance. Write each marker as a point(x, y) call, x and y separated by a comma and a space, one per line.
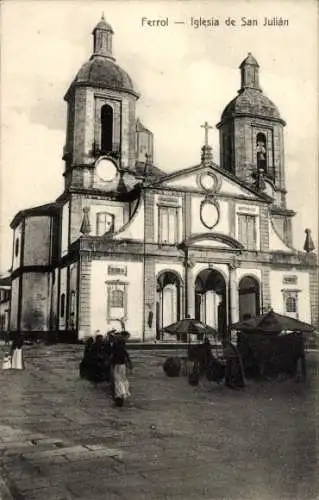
point(213, 240)
point(208, 180)
point(210, 244)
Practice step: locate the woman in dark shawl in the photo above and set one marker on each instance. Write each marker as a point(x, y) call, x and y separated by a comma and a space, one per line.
point(234, 374)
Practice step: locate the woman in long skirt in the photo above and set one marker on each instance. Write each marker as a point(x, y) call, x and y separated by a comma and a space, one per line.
point(120, 361)
point(17, 361)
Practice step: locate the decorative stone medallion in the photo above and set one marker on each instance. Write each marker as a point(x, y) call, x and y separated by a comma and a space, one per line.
point(209, 213)
point(209, 182)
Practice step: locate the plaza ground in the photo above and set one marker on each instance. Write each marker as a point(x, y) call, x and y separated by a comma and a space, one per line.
point(62, 438)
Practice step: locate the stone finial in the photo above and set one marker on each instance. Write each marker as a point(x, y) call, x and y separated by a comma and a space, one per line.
point(85, 226)
point(309, 245)
point(207, 155)
point(207, 152)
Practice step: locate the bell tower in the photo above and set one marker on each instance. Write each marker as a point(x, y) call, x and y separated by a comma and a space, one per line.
point(251, 134)
point(101, 114)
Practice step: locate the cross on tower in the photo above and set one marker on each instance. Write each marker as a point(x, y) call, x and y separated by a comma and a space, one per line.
point(206, 126)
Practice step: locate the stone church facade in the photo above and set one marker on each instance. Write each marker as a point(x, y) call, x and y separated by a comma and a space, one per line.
point(128, 243)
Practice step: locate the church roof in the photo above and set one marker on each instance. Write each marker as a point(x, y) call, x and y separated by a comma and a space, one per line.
point(224, 173)
point(152, 171)
point(251, 102)
point(249, 60)
point(140, 127)
point(5, 281)
point(48, 209)
point(105, 73)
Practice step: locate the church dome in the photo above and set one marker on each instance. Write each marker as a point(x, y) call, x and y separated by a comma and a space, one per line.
point(103, 72)
point(252, 102)
point(250, 99)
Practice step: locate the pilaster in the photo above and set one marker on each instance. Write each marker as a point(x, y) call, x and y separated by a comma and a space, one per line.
point(85, 296)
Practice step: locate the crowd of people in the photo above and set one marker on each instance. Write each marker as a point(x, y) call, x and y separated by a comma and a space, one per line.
point(106, 359)
point(230, 370)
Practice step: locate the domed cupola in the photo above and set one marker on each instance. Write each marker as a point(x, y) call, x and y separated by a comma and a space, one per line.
point(251, 100)
point(101, 70)
point(101, 112)
point(251, 132)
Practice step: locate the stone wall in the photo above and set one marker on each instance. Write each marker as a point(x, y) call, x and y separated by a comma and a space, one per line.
point(37, 241)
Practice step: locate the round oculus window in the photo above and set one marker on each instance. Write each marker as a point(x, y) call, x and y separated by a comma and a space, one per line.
point(209, 214)
point(106, 170)
point(208, 182)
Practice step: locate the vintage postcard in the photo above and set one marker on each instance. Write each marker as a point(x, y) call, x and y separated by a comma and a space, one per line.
point(159, 309)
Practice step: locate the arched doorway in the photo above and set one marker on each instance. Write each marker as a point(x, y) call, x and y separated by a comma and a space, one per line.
point(106, 129)
point(168, 303)
point(249, 298)
point(210, 299)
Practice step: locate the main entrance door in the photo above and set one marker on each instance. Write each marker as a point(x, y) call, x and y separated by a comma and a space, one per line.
point(210, 299)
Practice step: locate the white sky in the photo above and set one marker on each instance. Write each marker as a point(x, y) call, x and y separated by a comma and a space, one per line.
point(185, 76)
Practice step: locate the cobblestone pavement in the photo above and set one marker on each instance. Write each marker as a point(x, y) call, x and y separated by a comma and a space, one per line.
point(61, 438)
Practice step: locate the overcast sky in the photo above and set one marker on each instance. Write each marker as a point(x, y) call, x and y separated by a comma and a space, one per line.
point(185, 76)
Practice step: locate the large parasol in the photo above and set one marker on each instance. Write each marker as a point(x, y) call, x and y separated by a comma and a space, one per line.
point(272, 322)
point(190, 326)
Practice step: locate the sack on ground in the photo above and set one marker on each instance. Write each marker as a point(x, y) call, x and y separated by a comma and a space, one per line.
point(172, 366)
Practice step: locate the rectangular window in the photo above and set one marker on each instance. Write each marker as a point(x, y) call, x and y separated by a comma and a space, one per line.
point(104, 223)
point(168, 225)
point(247, 233)
point(116, 300)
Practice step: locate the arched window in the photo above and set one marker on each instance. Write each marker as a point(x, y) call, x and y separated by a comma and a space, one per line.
point(106, 129)
point(261, 150)
point(291, 305)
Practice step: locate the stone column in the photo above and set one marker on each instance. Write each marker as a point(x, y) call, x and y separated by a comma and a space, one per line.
point(190, 291)
point(234, 297)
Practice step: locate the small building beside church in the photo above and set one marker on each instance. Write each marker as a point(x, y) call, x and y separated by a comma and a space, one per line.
point(129, 243)
point(5, 293)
